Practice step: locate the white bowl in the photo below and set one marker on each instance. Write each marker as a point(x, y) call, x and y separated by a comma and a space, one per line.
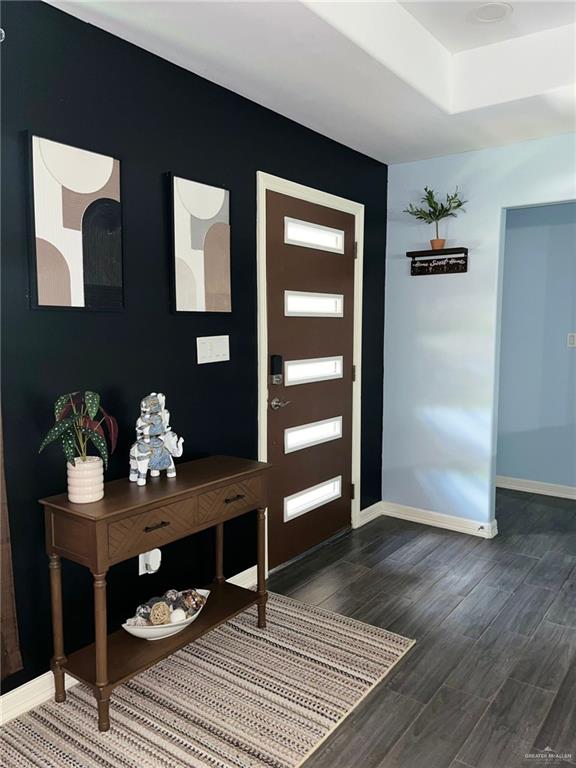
point(160, 631)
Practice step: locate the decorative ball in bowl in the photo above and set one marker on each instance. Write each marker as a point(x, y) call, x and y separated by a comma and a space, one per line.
point(164, 616)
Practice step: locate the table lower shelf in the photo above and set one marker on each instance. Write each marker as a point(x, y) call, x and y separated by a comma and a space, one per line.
point(129, 655)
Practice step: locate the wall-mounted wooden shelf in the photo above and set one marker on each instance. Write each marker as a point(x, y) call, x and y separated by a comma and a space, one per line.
point(443, 261)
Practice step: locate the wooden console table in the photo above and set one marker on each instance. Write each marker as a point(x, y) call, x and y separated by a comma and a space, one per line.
point(130, 520)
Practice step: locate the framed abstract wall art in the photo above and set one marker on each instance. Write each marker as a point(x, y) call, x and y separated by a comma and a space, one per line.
point(201, 241)
point(77, 228)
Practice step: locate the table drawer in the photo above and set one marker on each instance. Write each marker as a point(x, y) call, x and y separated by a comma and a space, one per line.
point(230, 499)
point(142, 532)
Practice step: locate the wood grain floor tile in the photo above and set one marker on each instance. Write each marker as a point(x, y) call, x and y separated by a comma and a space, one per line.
point(509, 572)
point(484, 670)
point(533, 544)
point(422, 617)
point(546, 657)
point(429, 664)
point(327, 582)
point(563, 609)
point(345, 601)
point(382, 610)
point(383, 546)
point(524, 609)
point(462, 577)
point(438, 733)
point(406, 580)
point(499, 548)
point(552, 570)
point(508, 728)
point(565, 543)
point(453, 549)
point(476, 611)
point(559, 728)
point(418, 548)
point(567, 506)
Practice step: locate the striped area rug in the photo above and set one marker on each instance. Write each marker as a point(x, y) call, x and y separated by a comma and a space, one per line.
point(240, 697)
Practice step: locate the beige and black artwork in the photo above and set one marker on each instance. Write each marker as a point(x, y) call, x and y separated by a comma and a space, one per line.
point(201, 247)
point(77, 227)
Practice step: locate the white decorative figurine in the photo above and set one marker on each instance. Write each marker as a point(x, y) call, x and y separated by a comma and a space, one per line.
point(156, 444)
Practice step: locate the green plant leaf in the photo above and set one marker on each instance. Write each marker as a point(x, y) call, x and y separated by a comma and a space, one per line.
point(92, 400)
point(69, 447)
point(59, 405)
point(99, 443)
point(434, 210)
point(59, 429)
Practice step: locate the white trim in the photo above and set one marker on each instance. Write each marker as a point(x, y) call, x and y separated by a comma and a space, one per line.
point(246, 579)
point(367, 515)
point(267, 182)
point(486, 530)
point(535, 486)
point(30, 695)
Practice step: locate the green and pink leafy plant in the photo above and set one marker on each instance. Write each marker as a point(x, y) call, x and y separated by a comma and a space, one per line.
point(80, 421)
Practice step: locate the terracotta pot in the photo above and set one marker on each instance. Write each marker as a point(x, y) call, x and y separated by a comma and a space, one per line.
point(85, 480)
point(437, 244)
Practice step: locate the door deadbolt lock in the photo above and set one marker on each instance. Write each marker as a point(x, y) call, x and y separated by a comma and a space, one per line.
point(276, 369)
point(276, 403)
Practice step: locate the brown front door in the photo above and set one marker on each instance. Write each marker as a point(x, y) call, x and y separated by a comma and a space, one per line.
point(310, 305)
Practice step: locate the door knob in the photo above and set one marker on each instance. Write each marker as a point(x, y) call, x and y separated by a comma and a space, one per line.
point(276, 403)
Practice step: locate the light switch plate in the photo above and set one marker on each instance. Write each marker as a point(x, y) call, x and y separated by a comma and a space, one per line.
point(213, 349)
point(572, 339)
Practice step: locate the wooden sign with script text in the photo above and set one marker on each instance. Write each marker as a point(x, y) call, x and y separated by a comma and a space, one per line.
point(444, 265)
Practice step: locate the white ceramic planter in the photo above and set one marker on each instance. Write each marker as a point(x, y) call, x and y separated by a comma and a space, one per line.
point(85, 480)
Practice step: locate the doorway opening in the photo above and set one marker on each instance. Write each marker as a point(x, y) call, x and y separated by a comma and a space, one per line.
point(536, 435)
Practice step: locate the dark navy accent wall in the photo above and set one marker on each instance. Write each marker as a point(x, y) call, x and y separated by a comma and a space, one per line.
point(71, 82)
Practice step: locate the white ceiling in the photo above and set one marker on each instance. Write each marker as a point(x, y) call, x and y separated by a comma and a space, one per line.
point(366, 74)
point(454, 24)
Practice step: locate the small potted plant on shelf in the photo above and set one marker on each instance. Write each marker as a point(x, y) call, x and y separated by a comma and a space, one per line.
point(434, 211)
point(80, 422)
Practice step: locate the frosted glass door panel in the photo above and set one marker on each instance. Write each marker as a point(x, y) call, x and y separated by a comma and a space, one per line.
point(303, 304)
point(297, 438)
point(314, 369)
point(312, 498)
point(310, 235)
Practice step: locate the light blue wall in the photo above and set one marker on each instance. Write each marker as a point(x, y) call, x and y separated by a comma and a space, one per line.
point(537, 397)
point(442, 331)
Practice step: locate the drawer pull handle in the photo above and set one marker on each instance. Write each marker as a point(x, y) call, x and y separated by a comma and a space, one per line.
point(161, 524)
point(230, 499)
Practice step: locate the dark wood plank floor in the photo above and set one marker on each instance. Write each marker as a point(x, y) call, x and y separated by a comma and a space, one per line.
point(492, 676)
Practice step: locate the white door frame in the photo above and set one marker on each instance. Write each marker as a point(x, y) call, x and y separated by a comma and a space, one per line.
point(265, 182)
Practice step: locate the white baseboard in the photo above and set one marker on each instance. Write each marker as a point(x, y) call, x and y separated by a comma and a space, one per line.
point(247, 578)
point(535, 486)
point(364, 516)
point(30, 695)
point(41, 689)
point(486, 530)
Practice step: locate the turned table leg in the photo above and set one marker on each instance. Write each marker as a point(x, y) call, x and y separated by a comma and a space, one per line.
point(220, 553)
point(59, 659)
point(101, 640)
point(262, 594)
